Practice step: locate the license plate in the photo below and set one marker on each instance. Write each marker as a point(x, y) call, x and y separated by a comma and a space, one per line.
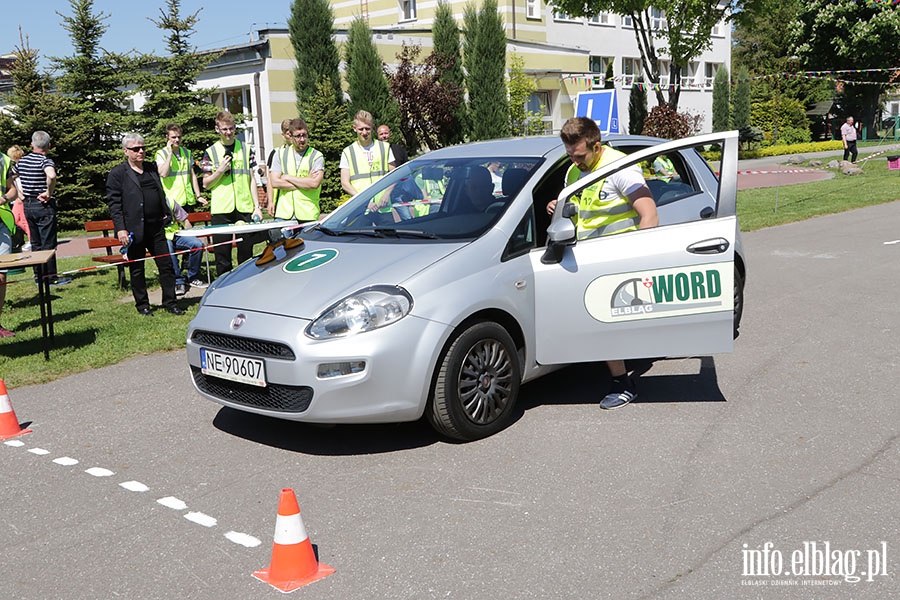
point(251, 371)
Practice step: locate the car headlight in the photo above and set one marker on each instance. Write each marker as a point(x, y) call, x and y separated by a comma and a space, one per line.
point(365, 310)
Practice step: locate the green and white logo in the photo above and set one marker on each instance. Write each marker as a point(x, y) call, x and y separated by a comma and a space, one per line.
point(310, 260)
point(664, 293)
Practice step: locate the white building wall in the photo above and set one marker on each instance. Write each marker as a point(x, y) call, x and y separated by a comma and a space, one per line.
point(616, 41)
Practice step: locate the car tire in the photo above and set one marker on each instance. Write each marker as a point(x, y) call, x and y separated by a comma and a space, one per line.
point(477, 383)
point(738, 301)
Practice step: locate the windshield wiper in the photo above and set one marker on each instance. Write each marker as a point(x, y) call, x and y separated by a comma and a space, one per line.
point(389, 231)
point(323, 229)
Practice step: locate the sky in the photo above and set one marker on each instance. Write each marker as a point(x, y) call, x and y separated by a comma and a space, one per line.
point(222, 23)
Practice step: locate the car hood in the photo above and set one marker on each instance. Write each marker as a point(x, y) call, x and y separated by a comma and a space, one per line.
point(311, 278)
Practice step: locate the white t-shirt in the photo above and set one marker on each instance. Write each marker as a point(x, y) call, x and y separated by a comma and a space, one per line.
point(369, 152)
point(620, 184)
point(317, 165)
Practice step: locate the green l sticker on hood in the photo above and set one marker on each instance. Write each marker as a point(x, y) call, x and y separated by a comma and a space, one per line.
point(310, 260)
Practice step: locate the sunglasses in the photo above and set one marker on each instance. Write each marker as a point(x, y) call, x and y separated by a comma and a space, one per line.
point(136, 148)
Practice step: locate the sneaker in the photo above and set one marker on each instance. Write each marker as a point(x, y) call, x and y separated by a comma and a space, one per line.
point(26, 247)
point(61, 281)
point(180, 289)
point(621, 394)
point(6, 333)
point(199, 283)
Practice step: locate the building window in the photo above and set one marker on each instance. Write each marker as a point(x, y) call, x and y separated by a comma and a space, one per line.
point(561, 16)
point(407, 10)
point(657, 19)
point(711, 69)
point(631, 68)
point(717, 30)
point(234, 100)
point(599, 63)
point(603, 18)
point(689, 74)
point(532, 9)
point(539, 103)
point(664, 66)
point(627, 23)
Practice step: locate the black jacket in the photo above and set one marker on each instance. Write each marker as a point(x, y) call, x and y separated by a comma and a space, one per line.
point(126, 201)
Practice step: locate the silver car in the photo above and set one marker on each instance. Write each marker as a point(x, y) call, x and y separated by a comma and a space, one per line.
point(443, 288)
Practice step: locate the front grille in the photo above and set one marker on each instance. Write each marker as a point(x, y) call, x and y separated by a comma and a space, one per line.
point(285, 398)
point(223, 341)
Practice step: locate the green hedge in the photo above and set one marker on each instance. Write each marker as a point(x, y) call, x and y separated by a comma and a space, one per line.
point(780, 150)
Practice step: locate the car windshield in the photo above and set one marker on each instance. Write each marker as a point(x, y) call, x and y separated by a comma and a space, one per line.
point(456, 198)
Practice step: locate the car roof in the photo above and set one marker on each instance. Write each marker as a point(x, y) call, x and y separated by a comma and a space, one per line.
point(533, 146)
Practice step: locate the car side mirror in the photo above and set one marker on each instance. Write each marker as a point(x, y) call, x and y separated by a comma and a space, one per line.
point(559, 235)
point(570, 209)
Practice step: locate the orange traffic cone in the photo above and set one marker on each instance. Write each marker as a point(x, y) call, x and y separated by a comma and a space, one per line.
point(293, 563)
point(9, 424)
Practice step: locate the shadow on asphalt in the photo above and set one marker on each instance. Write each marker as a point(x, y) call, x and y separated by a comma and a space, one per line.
point(577, 384)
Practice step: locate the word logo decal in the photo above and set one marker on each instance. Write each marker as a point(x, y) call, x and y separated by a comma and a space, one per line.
point(665, 293)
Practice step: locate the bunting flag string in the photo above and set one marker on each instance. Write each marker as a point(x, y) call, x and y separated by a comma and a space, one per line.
point(595, 80)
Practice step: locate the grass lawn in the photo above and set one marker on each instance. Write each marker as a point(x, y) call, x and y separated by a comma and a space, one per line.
point(765, 207)
point(95, 322)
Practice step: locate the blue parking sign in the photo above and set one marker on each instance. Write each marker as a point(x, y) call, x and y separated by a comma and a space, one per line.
point(600, 105)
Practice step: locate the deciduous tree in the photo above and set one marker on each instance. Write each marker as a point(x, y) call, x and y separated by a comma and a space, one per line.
point(428, 106)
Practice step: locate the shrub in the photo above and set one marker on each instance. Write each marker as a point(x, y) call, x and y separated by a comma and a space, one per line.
point(663, 122)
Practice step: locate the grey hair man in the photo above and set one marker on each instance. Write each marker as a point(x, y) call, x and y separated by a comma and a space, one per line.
point(37, 174)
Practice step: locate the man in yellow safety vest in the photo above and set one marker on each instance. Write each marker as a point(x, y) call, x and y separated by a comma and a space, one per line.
point(228, 173)
point(621, 202)
point(297, 171)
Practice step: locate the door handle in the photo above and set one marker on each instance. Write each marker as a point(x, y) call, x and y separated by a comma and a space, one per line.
point(713, 246)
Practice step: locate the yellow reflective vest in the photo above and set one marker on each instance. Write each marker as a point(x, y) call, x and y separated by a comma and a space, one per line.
point(596, 215)
point(362, 175)
point(6, 215)
point(232, 191)
point(302, 204)
point(177, 184)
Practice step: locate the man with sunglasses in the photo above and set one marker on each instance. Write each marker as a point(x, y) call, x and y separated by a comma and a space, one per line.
point(139, 210)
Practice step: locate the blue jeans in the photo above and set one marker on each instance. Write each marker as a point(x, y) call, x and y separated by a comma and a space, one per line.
point(190, 261)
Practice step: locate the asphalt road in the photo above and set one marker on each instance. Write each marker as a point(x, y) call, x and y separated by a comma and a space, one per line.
point(764, 455)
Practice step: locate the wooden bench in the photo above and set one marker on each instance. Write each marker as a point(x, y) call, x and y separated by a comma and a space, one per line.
point(108, 241)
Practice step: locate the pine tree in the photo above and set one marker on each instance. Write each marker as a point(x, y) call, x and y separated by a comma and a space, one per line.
point(30, 105)
point(447, 47)
point(329, 133)
point(311, 30)
point(740, 106)
point(489, 106)
point(88, 144)
point(721, 108)
point(168, 85)
point(470, 34)
point(637, 106)
point(366, 82)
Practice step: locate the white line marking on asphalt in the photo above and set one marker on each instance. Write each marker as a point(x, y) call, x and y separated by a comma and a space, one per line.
point(891, 243)
point(200, 519)
point(39, 451)
point(65, 461)
point(134, 486)
point(248, 541)
point(15, 443)
point(99, 472)
point(172, 502)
